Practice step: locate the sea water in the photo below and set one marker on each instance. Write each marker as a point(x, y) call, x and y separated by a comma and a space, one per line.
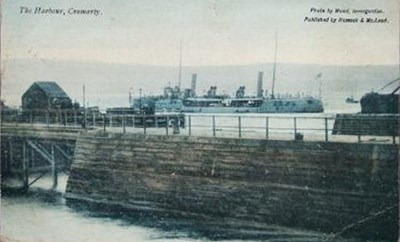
point(42, 214)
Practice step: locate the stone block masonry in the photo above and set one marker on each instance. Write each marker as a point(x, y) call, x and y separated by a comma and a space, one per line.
point(348, 189)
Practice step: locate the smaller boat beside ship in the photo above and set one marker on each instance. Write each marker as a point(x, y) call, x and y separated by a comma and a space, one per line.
point(351, 100)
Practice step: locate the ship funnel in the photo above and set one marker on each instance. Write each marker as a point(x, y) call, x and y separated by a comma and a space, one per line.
point(260, 84)
point(212, 92)
point(194, 79)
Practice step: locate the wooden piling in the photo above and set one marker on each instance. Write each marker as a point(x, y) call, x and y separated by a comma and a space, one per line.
point(54, 168)
point(11, 156)
point(47, 118)
point(32, 159)
point(25, 164)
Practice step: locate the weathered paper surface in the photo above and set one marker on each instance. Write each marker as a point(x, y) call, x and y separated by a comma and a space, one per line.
point(119, 49)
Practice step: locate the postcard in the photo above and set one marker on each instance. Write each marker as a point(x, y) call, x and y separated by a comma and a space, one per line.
point(199, 120)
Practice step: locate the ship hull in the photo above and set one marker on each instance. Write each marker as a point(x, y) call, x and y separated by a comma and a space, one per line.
point(268, 106)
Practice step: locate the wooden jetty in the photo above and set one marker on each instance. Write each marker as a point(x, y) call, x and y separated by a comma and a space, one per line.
point(28, 151)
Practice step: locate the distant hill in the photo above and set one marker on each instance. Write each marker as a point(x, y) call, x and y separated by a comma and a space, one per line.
point(109, 84)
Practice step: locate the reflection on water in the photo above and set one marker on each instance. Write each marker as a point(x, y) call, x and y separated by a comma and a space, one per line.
point(43, 215)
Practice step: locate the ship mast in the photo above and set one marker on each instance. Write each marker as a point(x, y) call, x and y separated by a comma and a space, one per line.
point(274, 69)
point(318, 77)
point(180, 66)
point(319, 89)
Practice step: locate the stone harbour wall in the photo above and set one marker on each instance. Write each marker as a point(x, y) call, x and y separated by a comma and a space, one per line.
point(350, 189)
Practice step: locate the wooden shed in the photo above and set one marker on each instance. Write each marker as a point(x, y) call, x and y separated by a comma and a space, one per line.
point(45, 96)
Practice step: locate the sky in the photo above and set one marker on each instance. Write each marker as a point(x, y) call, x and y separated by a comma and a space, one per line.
point(130, 42)
point(212, 32)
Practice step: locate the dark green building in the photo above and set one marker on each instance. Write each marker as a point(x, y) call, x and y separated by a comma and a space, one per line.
point(42, 96)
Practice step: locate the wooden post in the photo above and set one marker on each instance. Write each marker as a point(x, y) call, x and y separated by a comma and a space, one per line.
point(295, 126)
point(166, 125)
point(267, 128)
point(213, 126)
point(326, 129)
point(11, 151)
point(240, 126)
point(104, 123)
point(360, 129)
point(32, 159)
point(110, 120)
point(25, 168)
point(47, 118)
point(123, 122)
point(144, 124)
point(75, 119)
point(84, 108)
point(57, 119)
point(30, 117)
point(176, 125)
point(66, 118)
point(54, 168)
point(190, 125)
point(16, 119)
point(6, 159)
point(94, 119)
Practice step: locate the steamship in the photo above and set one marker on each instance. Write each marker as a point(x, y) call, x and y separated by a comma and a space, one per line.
point(175, 100)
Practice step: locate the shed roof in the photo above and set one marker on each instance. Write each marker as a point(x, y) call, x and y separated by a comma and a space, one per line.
point(51, 89)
